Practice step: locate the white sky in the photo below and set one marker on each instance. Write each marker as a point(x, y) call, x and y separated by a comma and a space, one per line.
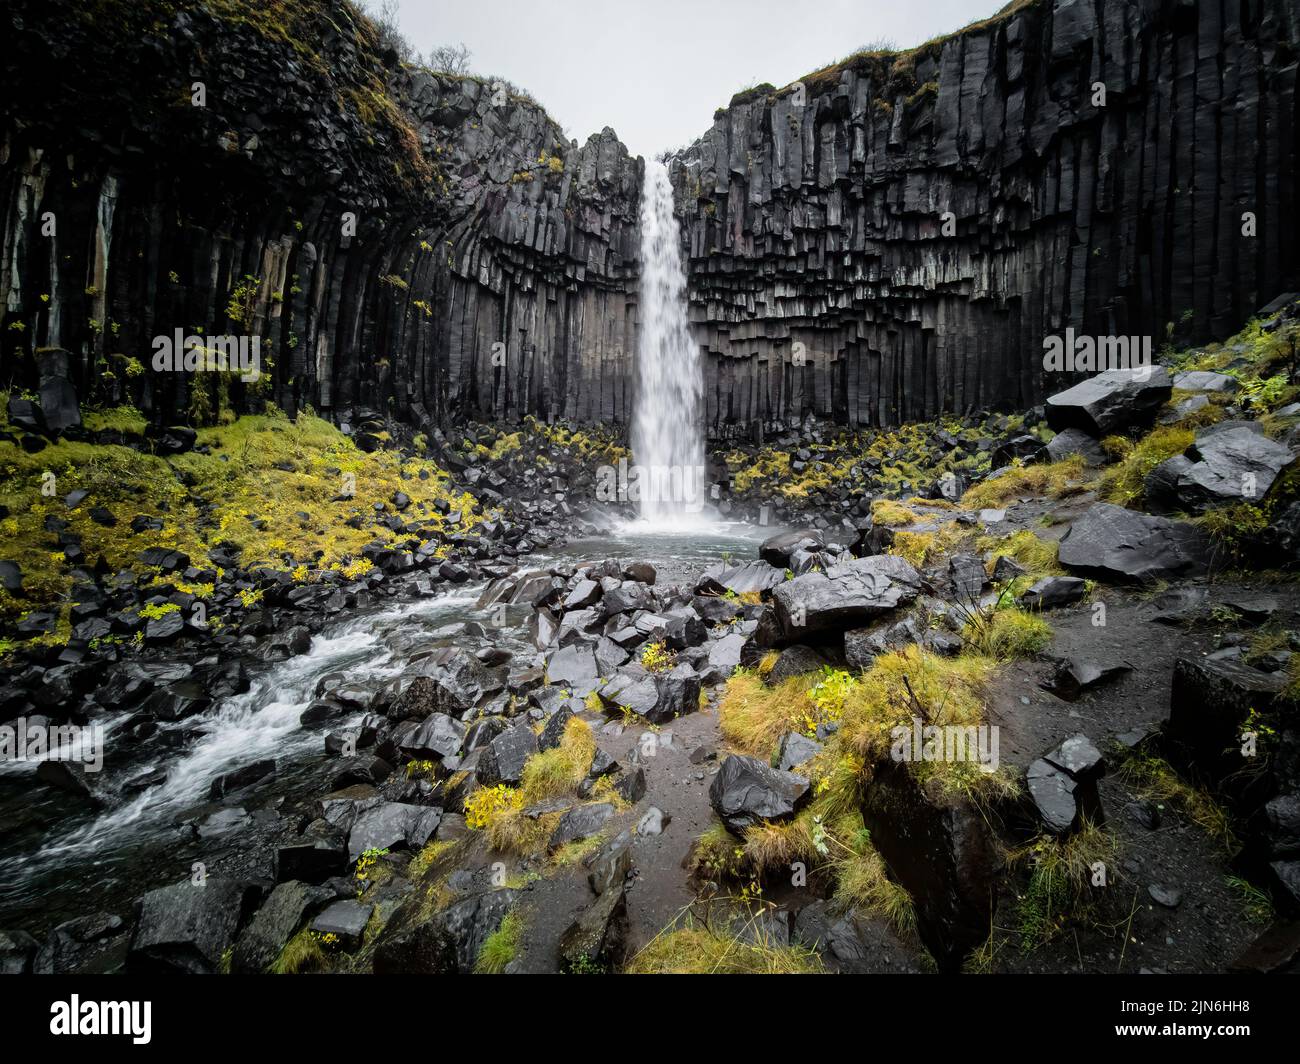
point(656, 70)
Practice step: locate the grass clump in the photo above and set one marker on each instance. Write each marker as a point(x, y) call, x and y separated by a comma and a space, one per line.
point(862, 881)
point(1234, 528)
point(557, 772)
point(753, 716)
point(1256, 905)
point(428, 856)
point(1155, 779)
point(717, 855)
point(301, 955)
point(1037, 556)
point(500, 947)
point(1053, 479)
point(1066, 884)
point(1008, 633)
point(921, 548)
point(892, 513)
point(914, 682)
point(697, 950)
point(1124, 482)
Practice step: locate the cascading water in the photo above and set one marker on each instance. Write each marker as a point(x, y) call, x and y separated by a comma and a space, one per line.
point(667, 436)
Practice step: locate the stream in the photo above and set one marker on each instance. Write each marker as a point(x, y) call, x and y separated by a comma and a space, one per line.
point(60, 860)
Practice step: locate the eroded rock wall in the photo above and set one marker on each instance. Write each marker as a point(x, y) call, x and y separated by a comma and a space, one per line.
point(813, 215)
point(485, 270)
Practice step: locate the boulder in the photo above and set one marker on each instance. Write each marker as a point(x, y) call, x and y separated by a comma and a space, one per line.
point(1076, 675)
point(747, 791)
point(276, 921)
point(1228, 467)
point(346, 920)
point(609, 866)
point(1111, 543)
point(1209, 702)
point(795, 661)
point(1110, 401)
point(502, 760)
point(938, 846)
point(447, 944)
point(392, 825)
point(1075, 441)
point(794, 749)
point(580, 822)
point(845, 596)
point(187, 927)
point(1053, 591)
point(574, 667)
point(438, 736)
point(776, 550)
point(597, 940)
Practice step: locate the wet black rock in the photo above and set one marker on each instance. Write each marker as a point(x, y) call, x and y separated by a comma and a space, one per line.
point(449, 943)
point(845, 596)
point(747, 791)
point(1074, 676)
point(609, 866)
point(1110, 401)
point(1062, 785)
point(392, 825)
point(1111, 543)
point(1075, 441)
point(260, 943)
point(777, 550)
point(346, 920)
point(1054, 591)
point(502, 760)
point(230, 782)
point(188, 926)
point(597, 940)
point(1228, 467)
point(580, 822)
point(17, 949)
point(794, 749)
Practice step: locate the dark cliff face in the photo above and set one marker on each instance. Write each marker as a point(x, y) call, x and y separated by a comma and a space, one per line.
point(492, 270)
point(425, 246)
point(819, 220)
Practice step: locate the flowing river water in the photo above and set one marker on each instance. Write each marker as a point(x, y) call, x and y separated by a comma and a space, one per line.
point(60, 859)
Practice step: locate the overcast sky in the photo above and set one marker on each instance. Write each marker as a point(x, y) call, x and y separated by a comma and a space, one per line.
point(656, 70)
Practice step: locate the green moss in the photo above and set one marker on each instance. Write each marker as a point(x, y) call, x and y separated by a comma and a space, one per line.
point(267, 484)
point(500, 947)
point(1123, 483)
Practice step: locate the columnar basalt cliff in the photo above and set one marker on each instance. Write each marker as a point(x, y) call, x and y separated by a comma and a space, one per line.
point(1097, 158)
point(413, 244)
point(885, 239)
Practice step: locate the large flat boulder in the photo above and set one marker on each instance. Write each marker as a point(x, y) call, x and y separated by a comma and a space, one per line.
point(1111, 543)
point(847, 595)
point(1110, 401)
point(1236, 465)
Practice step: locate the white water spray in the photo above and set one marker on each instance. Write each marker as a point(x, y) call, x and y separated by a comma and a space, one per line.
point(667, 440)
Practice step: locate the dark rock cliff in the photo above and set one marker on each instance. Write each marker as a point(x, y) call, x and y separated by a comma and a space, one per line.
point(493, 268)
point(485, 272)
point(813, 214)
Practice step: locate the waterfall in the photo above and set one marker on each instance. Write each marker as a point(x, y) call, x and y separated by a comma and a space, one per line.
point(667, 436)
